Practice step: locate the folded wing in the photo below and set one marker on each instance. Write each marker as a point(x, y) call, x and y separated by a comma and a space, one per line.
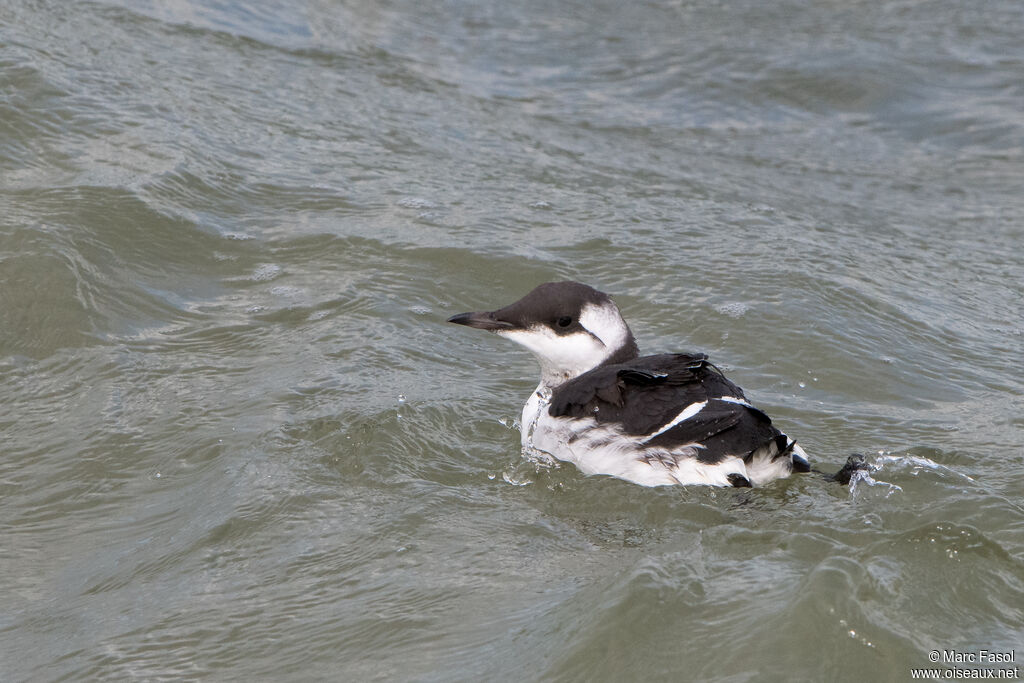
point(671, 401)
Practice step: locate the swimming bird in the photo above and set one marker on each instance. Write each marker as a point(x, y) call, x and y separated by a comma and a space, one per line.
point(653, 420)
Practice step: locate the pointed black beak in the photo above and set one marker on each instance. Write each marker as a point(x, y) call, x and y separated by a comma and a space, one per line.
point(483, 320)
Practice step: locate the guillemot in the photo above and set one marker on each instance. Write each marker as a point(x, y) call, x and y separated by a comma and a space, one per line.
point(652, 420)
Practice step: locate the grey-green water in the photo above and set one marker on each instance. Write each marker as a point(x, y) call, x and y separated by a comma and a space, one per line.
point(237, 440)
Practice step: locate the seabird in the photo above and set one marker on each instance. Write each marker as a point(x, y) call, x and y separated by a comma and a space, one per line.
point(652, 420)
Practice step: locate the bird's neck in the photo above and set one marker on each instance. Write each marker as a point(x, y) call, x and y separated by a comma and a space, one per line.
point(551, 378)
point(626, 352)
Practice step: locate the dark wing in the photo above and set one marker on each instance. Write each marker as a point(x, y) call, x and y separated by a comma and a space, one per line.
point(643, 394)
point(646, 395)
point(724, 428)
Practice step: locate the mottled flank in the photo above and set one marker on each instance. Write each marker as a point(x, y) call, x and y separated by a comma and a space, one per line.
point(653, 456)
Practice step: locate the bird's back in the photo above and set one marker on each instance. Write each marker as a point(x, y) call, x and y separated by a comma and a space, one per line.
point(665, 419)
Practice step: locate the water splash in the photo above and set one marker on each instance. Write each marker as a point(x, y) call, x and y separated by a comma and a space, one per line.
point(864, 477)
point(916, 463)
point(543, 399)
point(534, 460)
point(898, 463)
point(510, 423)
point(513, 476)
point(524, 471)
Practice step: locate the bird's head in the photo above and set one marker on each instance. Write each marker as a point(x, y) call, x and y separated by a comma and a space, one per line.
point(571, 328)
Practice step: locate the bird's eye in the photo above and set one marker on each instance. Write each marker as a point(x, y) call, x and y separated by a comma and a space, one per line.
point(564, 321)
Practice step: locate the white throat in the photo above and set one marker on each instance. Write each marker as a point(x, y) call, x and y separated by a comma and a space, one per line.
point(563, 357)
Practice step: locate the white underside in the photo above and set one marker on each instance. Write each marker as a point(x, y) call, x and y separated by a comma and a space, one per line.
point(604, 449)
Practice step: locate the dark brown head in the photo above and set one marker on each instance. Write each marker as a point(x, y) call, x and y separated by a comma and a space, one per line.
point(570, 327)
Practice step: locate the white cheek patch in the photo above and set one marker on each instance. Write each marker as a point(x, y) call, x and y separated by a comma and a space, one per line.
point(605, 322)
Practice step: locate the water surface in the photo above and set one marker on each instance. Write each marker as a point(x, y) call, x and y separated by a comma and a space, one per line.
point(239, 441)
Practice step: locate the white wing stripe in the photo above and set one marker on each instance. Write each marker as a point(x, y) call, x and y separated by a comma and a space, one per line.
point(688, 412)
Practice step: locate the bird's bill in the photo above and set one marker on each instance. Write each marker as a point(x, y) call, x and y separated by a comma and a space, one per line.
point(483, 320)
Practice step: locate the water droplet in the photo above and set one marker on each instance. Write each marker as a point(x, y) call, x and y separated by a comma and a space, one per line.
point(803, 385)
